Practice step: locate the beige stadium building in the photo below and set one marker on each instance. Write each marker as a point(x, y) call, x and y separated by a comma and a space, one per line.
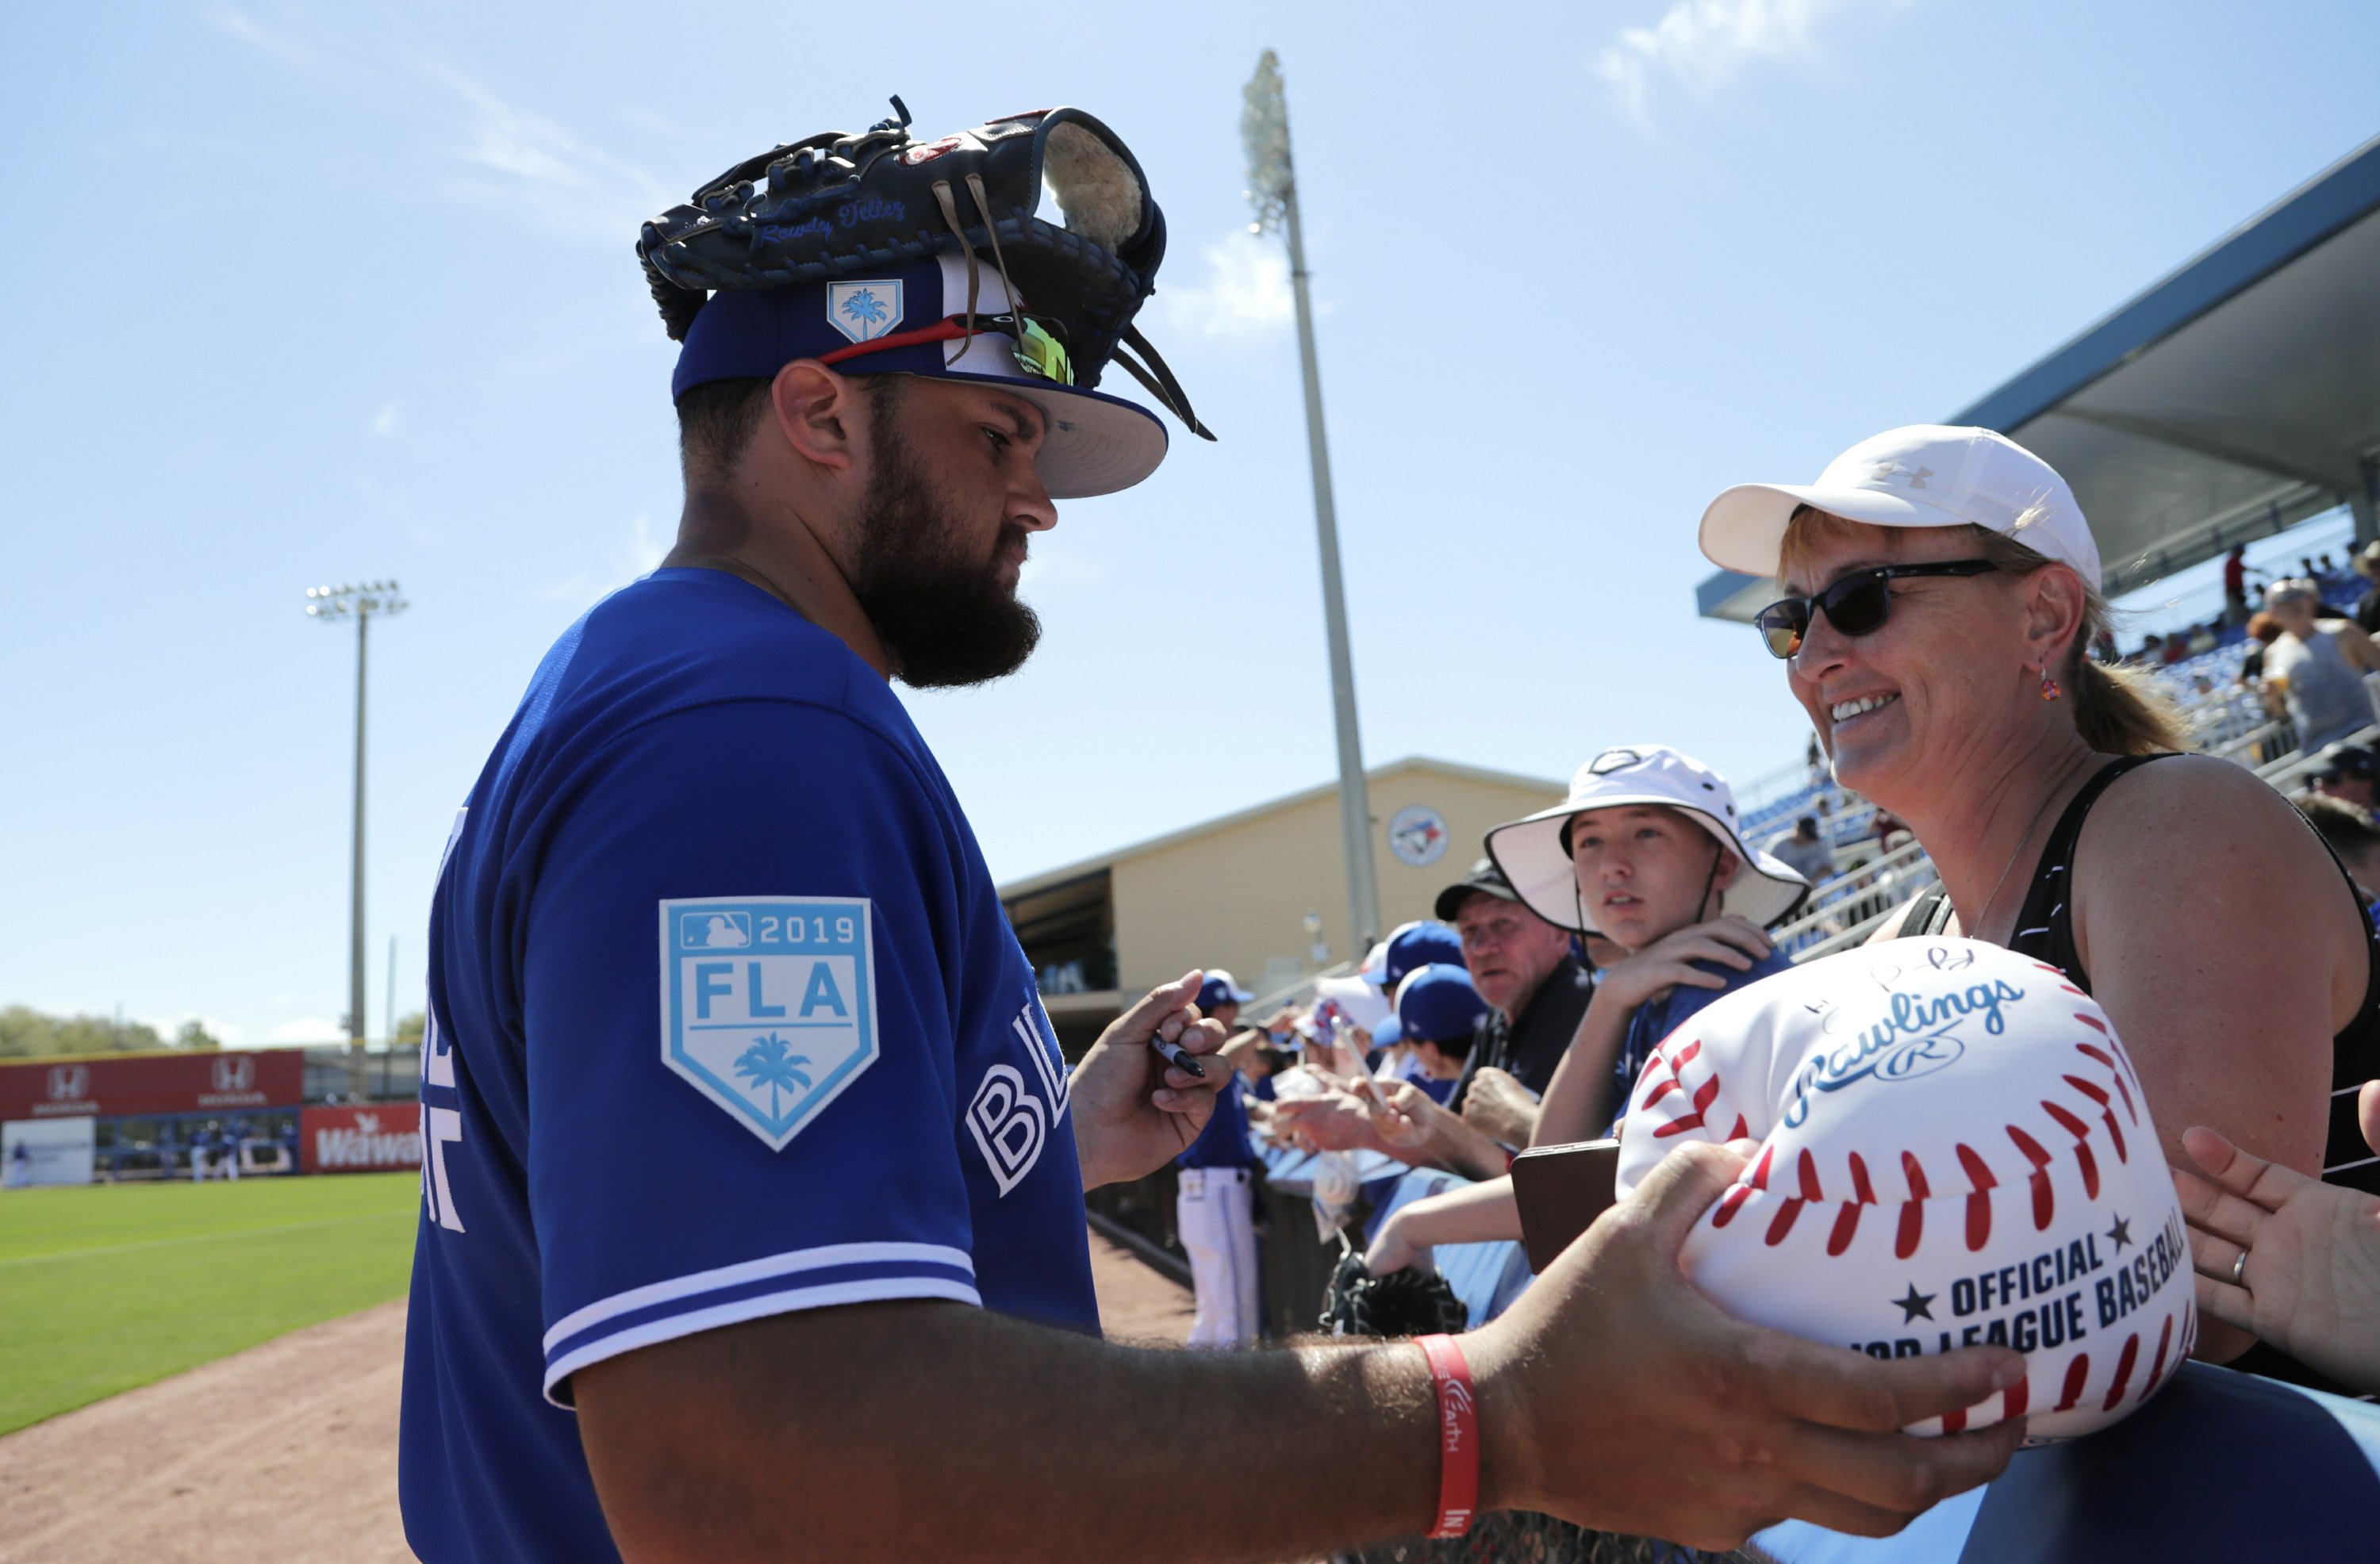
point(1262, 893)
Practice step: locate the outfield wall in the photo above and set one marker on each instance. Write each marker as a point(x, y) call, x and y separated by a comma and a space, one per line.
point(114, 1087)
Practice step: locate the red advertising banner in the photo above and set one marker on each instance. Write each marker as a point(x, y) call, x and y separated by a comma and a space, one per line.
point(383, 1138)
point(111, 1085)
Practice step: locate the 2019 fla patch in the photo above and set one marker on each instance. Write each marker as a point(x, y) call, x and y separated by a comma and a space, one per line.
point(767, 1003)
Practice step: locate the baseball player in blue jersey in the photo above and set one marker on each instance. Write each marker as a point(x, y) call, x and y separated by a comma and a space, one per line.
point(1214, 1207)
point(752, 1182)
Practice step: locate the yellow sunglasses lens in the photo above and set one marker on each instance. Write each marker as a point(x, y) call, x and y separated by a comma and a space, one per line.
point(1040, 354)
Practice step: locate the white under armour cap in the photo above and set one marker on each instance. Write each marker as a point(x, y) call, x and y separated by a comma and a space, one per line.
point(1921, 475)
point(1533, 860)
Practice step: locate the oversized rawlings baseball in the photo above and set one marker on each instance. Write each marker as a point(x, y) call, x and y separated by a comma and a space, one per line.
point(1954, 1150)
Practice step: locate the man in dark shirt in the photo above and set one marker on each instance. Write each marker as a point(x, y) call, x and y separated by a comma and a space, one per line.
point(1523, 967)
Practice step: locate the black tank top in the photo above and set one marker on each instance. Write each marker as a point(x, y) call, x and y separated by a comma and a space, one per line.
point(2044, 930)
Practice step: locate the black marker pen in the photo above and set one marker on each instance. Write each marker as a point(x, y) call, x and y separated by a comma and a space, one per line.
point(1178, 1056)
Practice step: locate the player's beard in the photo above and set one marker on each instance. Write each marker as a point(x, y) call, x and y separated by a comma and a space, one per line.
point(945, 619)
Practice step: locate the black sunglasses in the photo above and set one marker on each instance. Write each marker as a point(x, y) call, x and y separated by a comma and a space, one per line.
point(1857, 605)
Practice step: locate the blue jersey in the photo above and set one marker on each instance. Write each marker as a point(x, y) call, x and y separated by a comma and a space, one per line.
point(1224, 1142)
point(726, 1021)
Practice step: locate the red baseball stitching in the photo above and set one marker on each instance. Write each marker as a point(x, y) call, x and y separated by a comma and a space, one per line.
point(2043, 1202)
point(2077, 1373)
point(2157, 1365)
point(2124, 1362)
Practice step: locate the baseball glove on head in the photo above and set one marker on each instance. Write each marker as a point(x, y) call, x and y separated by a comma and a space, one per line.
point(834, 204)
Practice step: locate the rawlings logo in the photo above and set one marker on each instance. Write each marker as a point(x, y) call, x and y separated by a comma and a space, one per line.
point(1911, 1040)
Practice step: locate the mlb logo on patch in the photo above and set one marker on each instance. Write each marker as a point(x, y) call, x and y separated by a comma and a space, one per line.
point(864, 312)
point(768, 1003)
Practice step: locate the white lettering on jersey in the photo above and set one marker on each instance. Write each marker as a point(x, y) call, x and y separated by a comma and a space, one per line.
point(440, 1124)
point(1009, 1122)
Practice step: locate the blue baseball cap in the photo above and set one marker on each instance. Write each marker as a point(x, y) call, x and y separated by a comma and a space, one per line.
point(910, 321)
point(1416, 945)
point(1437, 1004)
point(1221, 989)
point(1388, 1033)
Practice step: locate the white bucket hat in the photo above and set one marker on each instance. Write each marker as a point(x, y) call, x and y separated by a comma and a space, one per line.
point(1530, 853)
point(1922, 474)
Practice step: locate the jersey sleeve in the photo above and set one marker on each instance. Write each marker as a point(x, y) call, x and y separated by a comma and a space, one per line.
point(737, 961)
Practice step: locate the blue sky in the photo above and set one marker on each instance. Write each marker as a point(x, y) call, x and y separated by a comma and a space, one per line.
point(300, 294)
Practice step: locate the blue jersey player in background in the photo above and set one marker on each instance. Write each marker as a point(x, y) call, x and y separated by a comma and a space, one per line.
point(753, 1178)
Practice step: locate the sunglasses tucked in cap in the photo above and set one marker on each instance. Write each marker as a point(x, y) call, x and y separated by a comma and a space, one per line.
point(1922, 475)
point(913, 319)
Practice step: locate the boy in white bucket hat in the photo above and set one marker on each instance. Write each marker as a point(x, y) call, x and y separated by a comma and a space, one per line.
point(1646, 852)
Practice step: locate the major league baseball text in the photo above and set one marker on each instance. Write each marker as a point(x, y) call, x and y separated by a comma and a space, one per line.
point(1955, 1150)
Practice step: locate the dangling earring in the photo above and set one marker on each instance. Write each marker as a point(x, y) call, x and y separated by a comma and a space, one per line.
point(2049, 690)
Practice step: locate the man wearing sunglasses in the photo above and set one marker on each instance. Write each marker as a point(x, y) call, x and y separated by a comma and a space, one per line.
point(838, 1306)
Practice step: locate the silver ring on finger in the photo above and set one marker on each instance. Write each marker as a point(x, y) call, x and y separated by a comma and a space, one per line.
point(2238, 1267)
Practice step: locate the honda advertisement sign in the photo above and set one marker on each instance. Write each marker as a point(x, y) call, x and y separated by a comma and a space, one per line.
point(382, 1139)
point(114, 1086)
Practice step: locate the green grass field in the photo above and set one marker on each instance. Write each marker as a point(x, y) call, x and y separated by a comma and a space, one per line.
point(110, 1286)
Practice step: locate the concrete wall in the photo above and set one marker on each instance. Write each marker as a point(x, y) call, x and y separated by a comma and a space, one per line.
point(1237, 897)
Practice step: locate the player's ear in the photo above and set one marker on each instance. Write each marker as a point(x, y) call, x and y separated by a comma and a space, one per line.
point(817, 412)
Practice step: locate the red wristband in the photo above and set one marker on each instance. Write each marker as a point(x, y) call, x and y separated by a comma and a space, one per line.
point(1458, 1436)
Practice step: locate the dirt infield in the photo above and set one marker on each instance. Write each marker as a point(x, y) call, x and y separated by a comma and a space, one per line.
point(288, 1450)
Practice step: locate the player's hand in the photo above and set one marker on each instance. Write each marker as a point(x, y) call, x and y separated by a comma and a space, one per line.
point(1667, 962)
point(1133, 1111)
point(2312, 1285)
point(1498, 1107)
point(1616, 1395)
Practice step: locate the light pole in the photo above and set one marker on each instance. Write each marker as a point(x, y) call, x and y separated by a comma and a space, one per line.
point(332, 605)
point(1273, 190)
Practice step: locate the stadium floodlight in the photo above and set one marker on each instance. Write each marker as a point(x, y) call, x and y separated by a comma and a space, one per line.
point(332, 606)
point(1273, 190)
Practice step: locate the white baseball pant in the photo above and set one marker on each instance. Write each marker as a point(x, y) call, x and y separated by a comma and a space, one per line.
point(1215, 1214)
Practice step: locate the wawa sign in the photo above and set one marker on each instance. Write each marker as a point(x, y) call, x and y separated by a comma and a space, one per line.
point(382, 1139)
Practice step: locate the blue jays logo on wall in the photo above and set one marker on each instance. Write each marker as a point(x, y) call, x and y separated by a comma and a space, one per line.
point(1418, 835)
point(864, 312)
point(768, 1003)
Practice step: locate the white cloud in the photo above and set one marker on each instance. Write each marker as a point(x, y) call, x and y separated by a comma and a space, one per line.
point(384, 422)
point(280, 45)
point(1244, 293)
point(308, 1029)
point(524, 162)
point(1703, 43)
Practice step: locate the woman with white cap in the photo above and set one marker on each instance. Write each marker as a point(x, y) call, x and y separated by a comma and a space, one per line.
point(1942, 590)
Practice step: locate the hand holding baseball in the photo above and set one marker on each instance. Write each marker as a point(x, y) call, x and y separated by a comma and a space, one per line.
point(2311, 1282)
point(1618, 1397)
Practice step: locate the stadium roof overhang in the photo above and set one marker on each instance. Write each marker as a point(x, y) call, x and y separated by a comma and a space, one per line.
point(2237, 397)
